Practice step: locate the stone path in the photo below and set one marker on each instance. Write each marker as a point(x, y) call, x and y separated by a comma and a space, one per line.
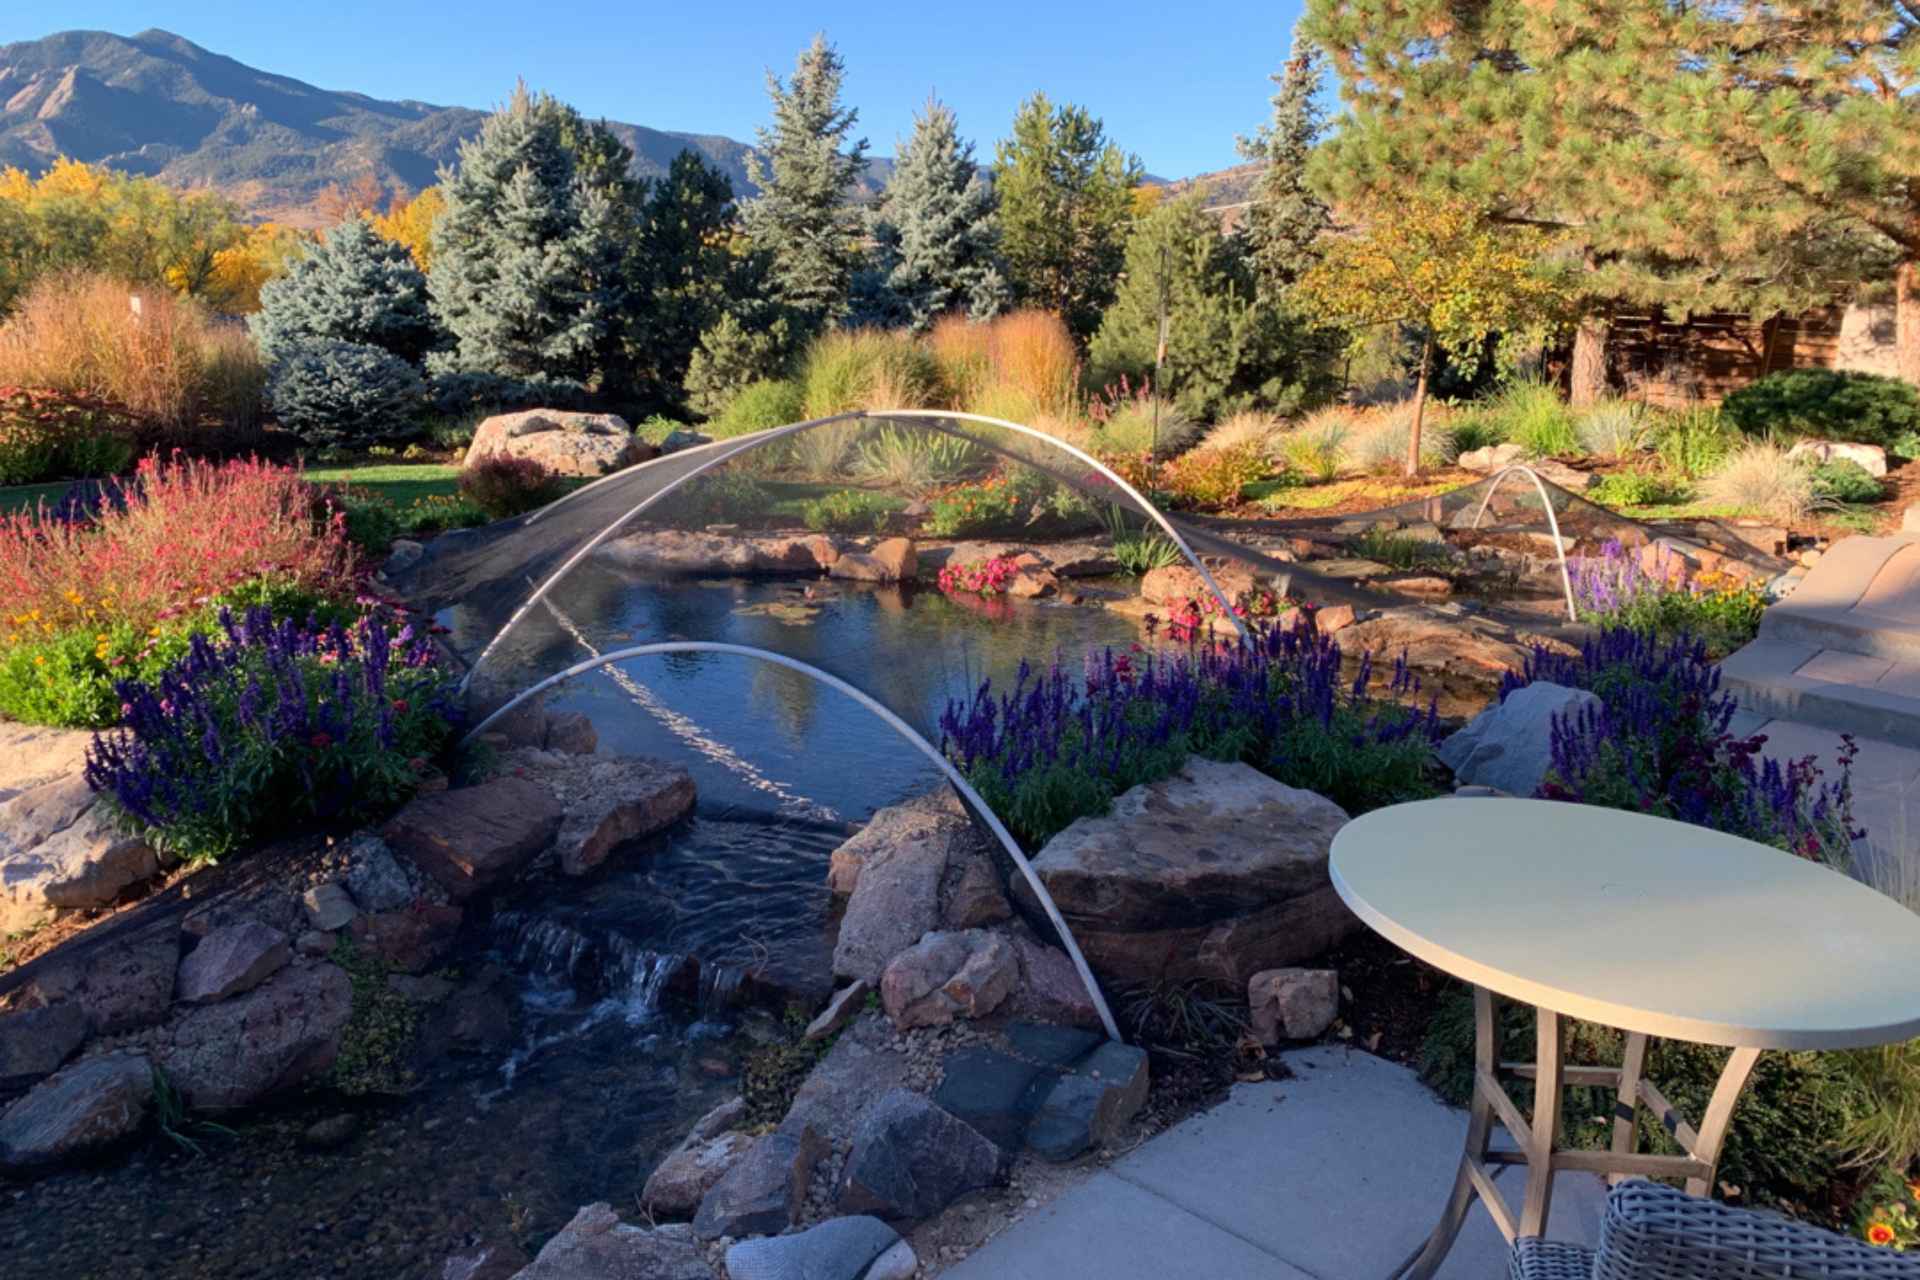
point(1336, 1174)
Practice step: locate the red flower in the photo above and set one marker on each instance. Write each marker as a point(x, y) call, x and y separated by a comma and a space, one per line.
point(321, 741)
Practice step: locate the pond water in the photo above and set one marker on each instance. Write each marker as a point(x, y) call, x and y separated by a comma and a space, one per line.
point(610, 1051)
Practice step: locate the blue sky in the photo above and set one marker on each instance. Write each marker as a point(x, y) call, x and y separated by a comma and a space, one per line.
point(1174, 83)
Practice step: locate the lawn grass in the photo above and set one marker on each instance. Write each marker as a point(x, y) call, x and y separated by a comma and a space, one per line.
point(399, 483)
point(25, 497)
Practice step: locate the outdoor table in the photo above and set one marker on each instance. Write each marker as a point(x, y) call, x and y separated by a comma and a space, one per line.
point(1649, 926)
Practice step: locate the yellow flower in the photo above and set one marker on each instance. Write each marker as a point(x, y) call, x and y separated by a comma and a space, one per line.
point(102, 638)
point(1913, 1189)
point(40, 660)
point(1880, 1233)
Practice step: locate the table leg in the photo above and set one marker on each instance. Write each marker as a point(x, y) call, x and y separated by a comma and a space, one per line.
point(1626, 1106)
point(1547, 1094)
point(1425, 1260)
point(1713, 1128)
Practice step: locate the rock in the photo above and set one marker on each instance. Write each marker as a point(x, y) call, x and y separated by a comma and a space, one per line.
point(1466, 647)
point(1215, 873)
point(329, 1132)
point(1293, 1004)
point(403, 554)
point(912, 869)
point(274, 1037)
point(1910, 519)
point(993, 1093)
point(1509, 746)
point(375, 877)
point(610, 802)
point(675, 441)
point(486, 1262)
point(572, 733)
point(892, 560)
point(1033, 583)
point(33, 755)
point(1178, 583)
point(412, 940)
point(836, 1092)
point(567, 444)
point(419, 988)
point(596, 1245)
point(32, 815)
point(717, 1121)
point(845, 1005)
point(121, 984)
point(1871, 457)
point(837, 1249)
point(761, 1192)
point(1491, 458)
point(34, 1042)
point(230, 960)
point(476, 1018)
point(473, 837)
point(1091, 1106)
point(315, 943)
point(682, 552)
point(329, 906)
point(897, 1263)
point(1563, 476)
point(1334, 618)
point(1050, 988)
point(1420, 585)
point(944, 976)
point(92, 1104)
point(86, 862)
point(681, 1181)
point(910, 1160)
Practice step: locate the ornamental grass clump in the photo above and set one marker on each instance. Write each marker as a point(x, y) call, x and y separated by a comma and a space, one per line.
point(269, 723)
point(1659, 742)
point(1058, 747)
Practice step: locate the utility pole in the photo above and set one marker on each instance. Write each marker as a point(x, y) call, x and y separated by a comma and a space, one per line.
point(1160, 350)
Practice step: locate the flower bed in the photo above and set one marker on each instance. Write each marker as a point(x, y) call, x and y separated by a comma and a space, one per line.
point(1060, 747)
point(270, 723)
point(1618, 588)
point(989, 577)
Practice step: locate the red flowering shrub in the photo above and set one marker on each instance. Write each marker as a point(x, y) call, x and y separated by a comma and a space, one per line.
point(503, 486)
point(47, 434)
point(988, 577)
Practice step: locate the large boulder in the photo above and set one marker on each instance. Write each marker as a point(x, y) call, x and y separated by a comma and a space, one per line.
point(891, 560)
point(945, 976)
point(696, 553)
point(281, 1034)
point(1871, 457)
point(34, 1042)
point(1179, 583)
point(470, 839)
point(761, 1192)
point(92, 1104)
point(1473, 648)
point(120, 984)
point(230, 960)
point(608, 801)
point(59, 850)
point(567, 444)
point(910, 1160)
point(1213, 874)
point(32, 755)
point(1509, 746)
point(596, 1245)
point(412, 939)
point(1050, 988)
point(912, 869)
point(837, 1249)
point(861, 1065)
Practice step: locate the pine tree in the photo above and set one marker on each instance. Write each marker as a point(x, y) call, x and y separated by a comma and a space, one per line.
point(936, 239)
point(688, 273)
point(354, 286)
point(1286, 216)
point(519, 273)
point(803, 219)
point(1066, 199)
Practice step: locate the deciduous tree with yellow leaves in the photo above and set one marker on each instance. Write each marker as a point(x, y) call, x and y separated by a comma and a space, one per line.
point(410, 222)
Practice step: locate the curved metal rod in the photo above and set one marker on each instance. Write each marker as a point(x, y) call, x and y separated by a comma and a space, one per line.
point(745, 444)
point(622, 473)
point(905, 730)
point(1553, 523)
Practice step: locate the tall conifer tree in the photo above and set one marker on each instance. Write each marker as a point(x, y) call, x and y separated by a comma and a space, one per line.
point(937, 244)
point(1286, 215)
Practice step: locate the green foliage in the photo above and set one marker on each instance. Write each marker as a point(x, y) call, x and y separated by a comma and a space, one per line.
point(847, 369)
point(1533, 416)
point(1761, 480)
point(1402, 551)
point(1210, 478)
point(1860, 408)
point(354, 286)
point(1638, 489)
point(760, 406)
point(346, 394)
point(1317, 447)
point(67, 678)
point(1611, 429)
point(46, 435)
point(1066, 197)
point(1282, 225)
point(1131, 425)
point(1003, 503)
point(1694, 442)
point(911, 460)
point(803, 220)
point(1139, 551)
point(372, 522)
point(1844, 480)
point(175, 1123)
point(376, 1046)
point(471, 397)
point(847, 511)
point(732, 356)
point(1886, 1129)
point(504, 486)
point(936, 240)
point(685, 276)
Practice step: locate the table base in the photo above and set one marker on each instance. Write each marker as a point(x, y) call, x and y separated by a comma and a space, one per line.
point(1537, 1140)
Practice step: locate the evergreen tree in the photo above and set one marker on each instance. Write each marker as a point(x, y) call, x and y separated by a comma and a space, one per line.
point(803, 218)
point(1286, 216)
point(354, 286)
point(936, 240)
point(1225, 349)
point(520, 276)
point(1066, 199)
point(687, 273)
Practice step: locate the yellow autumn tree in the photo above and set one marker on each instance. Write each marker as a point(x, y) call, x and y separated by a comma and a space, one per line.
point(1442, 268)
point(410, 222)
point(240, 269)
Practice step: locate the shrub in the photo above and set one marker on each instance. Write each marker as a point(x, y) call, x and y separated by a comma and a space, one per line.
point(1761, 480)
point(1844, 480)
point(270, 723)
point(1475, 428)
point(438, 512)
point(1836, 405)
point(356, 286)
point(1379, 439)
point(1003, 503)
point(760, 406)
point(730, 357)
point(1125, 422)
point(345, 394)
point(1318, 446)
point(173, 365)
point(1532, 415)
point(1638, 489)
point(371, 522)
point(1059, 748)
point(1617, 588)
point(1249, 426)
point(504, 486)
point(915, 459)
point(1611, 429)
point(1693, 442)
point(847, 511)
point(47, 435)
point(1139, 551)
point(1213, 477)
point(849, 369)
point(1659, 743)
point(820, 453)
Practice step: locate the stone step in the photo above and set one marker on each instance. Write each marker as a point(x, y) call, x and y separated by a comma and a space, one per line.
point(1862, 597)
point(1866, 695)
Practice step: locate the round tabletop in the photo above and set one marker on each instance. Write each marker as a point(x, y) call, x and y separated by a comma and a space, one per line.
point(1636, 922)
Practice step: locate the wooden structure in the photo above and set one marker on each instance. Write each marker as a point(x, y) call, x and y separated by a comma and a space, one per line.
point(1704, 358)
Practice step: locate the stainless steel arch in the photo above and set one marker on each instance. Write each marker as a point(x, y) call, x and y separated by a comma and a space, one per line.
point(728, 450)
point(1553, 523)
point(893, 722)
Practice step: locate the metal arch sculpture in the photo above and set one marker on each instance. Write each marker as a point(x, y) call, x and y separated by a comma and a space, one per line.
point(894, 722)
point(1553, 523)
point(745, 444)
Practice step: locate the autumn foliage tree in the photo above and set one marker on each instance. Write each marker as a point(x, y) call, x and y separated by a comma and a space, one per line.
point(1440, 267)
point(409, 220)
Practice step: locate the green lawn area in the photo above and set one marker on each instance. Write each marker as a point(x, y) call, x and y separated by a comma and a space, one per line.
point(399, 483)
point(25, 497)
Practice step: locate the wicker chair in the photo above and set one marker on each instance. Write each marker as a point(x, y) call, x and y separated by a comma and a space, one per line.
point(1653, 1232)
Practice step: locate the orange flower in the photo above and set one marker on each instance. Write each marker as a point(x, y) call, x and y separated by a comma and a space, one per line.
point(1879, 1233)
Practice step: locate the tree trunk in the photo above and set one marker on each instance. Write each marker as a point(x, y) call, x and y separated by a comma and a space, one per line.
point(1419, 408)
point(1906, 322)
point(1587, 381)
